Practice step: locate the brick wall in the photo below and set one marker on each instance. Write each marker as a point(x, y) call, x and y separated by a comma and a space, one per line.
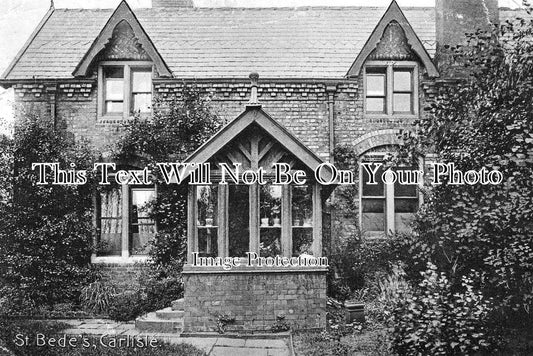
point(254, 299)
point(302, 107)
point(122, 277)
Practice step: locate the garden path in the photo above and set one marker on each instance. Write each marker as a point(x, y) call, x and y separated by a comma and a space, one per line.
point(212, 345)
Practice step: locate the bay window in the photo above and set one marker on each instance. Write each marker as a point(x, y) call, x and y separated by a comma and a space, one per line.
point(231, 220)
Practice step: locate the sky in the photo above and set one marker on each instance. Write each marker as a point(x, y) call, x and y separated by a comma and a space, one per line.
point(19, 18)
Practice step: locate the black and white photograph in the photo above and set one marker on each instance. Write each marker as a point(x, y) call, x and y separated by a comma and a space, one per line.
point(266, 178)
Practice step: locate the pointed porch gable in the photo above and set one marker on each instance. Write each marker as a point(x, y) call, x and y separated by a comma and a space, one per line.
point(134, 40)
point(393, 25)
point(255, 140)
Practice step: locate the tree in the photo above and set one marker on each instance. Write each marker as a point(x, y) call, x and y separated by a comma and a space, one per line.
point(484, 120)
point(46, 231)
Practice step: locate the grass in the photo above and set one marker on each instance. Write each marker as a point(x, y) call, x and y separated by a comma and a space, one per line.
point(368, 342)
point(14, 332)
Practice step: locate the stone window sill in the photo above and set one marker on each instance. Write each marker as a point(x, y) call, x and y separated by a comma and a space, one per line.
point(119, 260)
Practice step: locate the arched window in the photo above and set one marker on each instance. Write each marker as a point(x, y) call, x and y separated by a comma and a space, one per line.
point(386, 207)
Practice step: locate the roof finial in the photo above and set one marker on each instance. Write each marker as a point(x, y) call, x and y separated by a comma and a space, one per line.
point(254, 77)
point(52, 7)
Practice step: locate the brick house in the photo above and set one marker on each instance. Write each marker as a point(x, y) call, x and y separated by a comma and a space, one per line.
point(328, 76)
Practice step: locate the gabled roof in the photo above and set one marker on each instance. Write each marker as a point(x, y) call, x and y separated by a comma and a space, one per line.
point(394, 13)
point(122, 13)
point(256, 115)
point(308, 42)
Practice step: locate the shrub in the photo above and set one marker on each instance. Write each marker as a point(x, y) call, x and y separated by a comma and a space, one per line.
point(126, 306)
point(391, 288)
point(15, 302)
point(484, 121)
point(97, 296)
point(433, 319)
point(158, 287)
point(161, 292)
point(359, 263)
point(45, 230)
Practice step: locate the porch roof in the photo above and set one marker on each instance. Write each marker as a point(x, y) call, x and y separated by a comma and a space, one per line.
point(255, 115)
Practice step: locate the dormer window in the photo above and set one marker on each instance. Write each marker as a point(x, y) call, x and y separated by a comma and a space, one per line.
point(126, 89)
point(391, 89)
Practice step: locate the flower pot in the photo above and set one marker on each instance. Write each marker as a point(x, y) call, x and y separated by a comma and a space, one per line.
point(277, 221)
point(354, 312)
point(264, 221)
point(208, 222)
point(296, 222)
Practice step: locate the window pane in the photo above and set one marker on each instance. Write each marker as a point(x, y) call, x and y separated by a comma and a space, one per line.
point(142, 102)
point(402, 221)
point(114, 89)
point(114, 106)
point(110, 223)
point(140, 197)
point(373, 222)
point(404, 175)
point(375, 105)
point(302, 205)
point(302, 219)
point(114, 72)
point(375, 84)
point(402, 80)
point(373, 205)
point(270, 205)
point(373, 190)
point(405, 205)
point(402, 103)
point(270, 214)
point(142, 81)
point(302, 241)
point(207, 198)
point(238, 220)
point(207, 242)
point(270, 243)
point(142, 227)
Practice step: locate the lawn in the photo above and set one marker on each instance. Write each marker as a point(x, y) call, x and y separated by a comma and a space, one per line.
point(366, 342)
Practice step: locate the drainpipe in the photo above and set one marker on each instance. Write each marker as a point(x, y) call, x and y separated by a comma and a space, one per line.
point(330, 91)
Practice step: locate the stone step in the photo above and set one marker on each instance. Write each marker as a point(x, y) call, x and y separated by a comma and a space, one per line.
point(150, 322)
point(178, 304)
point(169, 313)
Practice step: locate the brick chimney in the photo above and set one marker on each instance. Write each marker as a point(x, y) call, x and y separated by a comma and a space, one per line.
point(172, 3)
point(455, 18)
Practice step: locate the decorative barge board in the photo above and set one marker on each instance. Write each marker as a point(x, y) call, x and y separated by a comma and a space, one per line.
point(255, 250)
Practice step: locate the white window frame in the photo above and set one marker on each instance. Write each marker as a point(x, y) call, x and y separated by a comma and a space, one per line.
point(389, 67)
point(126, 256)
point(128, 66)
point(390, 226)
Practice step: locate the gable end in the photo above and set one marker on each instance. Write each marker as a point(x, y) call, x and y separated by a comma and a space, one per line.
point(392, 21)
point(123, 18)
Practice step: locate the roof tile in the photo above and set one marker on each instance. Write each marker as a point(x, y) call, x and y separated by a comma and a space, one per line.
point(224, 42)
